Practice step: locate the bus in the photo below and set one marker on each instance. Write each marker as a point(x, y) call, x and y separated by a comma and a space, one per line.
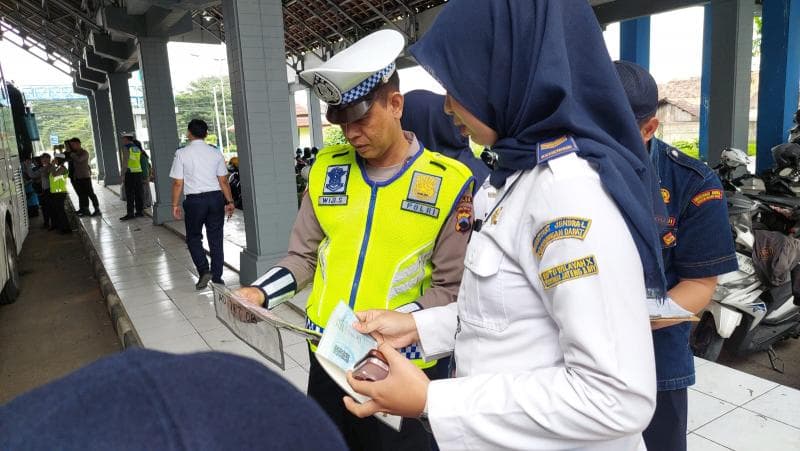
point(17, 133)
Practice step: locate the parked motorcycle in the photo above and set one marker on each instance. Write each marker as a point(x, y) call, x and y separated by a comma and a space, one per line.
point(747, 314)
point(235, 182)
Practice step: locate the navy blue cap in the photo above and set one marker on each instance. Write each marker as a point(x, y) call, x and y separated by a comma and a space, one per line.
point(640, 87)
point(143, 399)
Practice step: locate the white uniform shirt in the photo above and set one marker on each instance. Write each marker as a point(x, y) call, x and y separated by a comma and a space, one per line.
point(567, 367)
point(198, 165)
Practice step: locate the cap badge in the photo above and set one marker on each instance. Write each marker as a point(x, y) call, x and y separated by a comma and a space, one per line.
point(326, 91)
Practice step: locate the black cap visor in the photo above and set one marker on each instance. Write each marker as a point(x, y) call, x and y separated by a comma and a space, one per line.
point(340, 115)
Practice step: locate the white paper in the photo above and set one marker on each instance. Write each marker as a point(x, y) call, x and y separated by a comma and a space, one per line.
point(666, 309)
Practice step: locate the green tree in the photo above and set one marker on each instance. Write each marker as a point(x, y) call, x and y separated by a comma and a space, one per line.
point(197, 102)
point(333, 135)
point(65, 118)
point(758, 23)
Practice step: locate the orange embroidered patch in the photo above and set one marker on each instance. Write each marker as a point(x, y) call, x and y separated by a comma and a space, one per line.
point(705, 196)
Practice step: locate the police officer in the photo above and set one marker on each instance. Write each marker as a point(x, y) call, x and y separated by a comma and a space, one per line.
point(199, 172)
point(550, 335)
point(697, 247)
point(57, 177)
point(383, 224)
point(131, 166)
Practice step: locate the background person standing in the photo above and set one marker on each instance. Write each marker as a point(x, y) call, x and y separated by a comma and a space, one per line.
point(82, 177)
point(199, 172)
point(131, 165)
point(58, 175)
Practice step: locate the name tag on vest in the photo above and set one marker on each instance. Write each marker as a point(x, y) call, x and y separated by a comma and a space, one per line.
point(423, 209)
point(332, 200)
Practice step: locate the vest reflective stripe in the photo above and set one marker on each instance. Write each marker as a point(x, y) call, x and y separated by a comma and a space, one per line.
point(379, 236)
point(134, 160)
point(58, 183)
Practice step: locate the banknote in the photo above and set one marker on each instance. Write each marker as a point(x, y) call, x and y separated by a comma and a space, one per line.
point(341, 344)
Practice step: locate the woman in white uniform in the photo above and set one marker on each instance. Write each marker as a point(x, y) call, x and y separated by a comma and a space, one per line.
point(550, 335)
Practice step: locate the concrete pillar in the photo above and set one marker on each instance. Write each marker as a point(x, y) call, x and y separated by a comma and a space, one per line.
point(293, 121)
point(705, 82)
point(161, 122)
point(98, 146)
point(731, 56)
point(635, 41)
point(257, 69)
point(315, 121)
point(121, 102)
point(780, 77)
point(108, 138)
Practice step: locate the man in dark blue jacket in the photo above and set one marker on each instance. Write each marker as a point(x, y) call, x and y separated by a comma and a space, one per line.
point(697, 247)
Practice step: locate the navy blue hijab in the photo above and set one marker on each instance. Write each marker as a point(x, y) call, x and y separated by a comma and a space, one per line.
point(535, 70)
point(423, 114)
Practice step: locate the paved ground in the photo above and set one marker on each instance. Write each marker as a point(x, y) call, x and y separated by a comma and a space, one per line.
point(60, 322)
point(758, 364)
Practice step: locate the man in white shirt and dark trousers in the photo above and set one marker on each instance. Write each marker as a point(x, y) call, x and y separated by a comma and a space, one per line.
point(199, 172)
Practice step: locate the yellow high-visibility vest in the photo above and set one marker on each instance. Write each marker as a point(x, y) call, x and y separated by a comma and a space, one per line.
point(380, 236)
point(58, 183)
point(134, 159)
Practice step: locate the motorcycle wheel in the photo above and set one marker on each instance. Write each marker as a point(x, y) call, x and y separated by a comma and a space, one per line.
point(705, 341)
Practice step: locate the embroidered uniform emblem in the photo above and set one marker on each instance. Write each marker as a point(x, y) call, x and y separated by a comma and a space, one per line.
point(336, 178)
point(560, 229)
point(576, 269)
point(464, 214)
point(665, 195)
point(669, 239)
point(424, 188)
point(705, 196)
point(548, 150)
point(423, 194)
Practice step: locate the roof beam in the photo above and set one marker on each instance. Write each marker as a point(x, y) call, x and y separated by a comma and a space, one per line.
point(631, 9)
point(25, 31)
point(46, 60)
point(78, 14)
point(387, 20)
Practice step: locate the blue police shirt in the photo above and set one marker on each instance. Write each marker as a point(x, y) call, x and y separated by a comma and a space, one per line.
point(697, 242)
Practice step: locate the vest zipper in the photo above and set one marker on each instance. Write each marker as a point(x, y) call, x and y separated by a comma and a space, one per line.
point(363, 253)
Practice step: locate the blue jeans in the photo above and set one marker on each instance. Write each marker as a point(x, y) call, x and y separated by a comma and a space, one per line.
point(205, 209)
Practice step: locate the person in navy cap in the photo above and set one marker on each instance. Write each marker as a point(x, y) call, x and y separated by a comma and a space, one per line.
point(697, 247)
point(141, 399)
point(384, 223)
point(550, 336)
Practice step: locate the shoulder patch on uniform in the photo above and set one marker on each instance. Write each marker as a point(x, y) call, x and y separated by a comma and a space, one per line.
point(705, 196)
point(556, 148)
point(576, 269)
point(665, 195)
point(561, 229)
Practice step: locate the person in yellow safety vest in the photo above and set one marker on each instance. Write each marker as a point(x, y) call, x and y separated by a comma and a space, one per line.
point(58, 177)
point(384, 223)
point(131, 166)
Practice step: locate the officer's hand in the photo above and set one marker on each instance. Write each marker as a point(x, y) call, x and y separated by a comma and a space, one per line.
point(176, 213)
point(251, 294)
point(397, 329)
point(404, 392)
point(229, 209)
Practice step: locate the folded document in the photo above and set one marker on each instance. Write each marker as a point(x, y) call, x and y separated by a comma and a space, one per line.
point(667, 309)
point(340, 348)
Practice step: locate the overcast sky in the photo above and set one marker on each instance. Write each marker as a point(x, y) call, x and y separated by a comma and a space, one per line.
point(676, 49)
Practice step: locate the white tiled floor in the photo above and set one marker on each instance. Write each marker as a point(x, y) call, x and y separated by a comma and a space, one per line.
point(154, 276)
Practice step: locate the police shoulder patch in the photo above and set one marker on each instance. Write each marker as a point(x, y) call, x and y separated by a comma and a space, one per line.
point(665, 195)
point(561, 229)
point(575, 269)
point(705, 196)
